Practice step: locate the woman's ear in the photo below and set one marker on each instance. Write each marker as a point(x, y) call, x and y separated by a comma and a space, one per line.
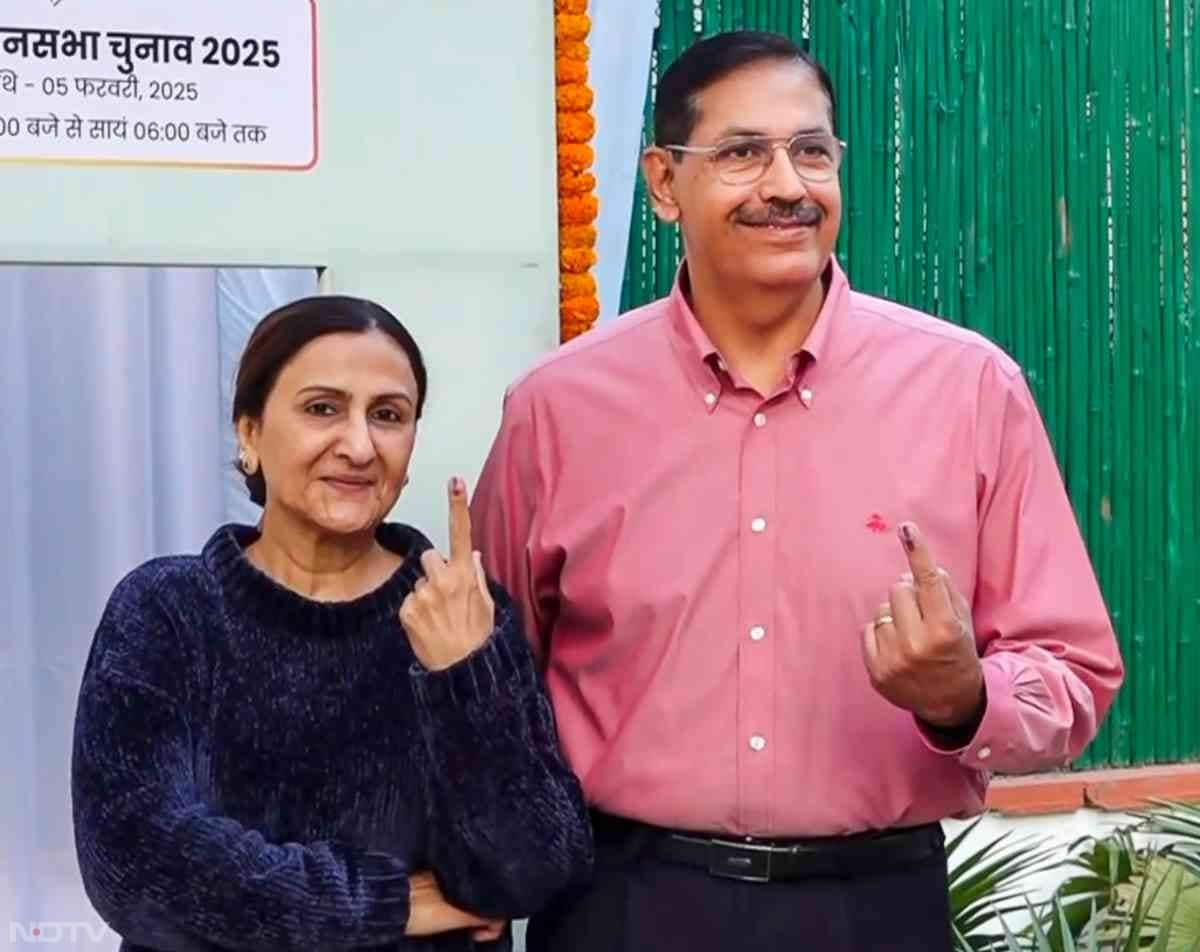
point(247, 434)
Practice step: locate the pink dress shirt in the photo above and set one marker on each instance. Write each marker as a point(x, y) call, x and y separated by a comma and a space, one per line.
point(696, 563)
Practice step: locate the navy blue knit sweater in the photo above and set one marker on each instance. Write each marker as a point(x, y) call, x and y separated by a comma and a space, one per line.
point(256, 770)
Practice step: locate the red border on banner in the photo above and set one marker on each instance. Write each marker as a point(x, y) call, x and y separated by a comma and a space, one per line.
point(236, 166)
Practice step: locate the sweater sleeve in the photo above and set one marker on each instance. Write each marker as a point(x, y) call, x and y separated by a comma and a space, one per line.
point(161, 867)
point(507, 820)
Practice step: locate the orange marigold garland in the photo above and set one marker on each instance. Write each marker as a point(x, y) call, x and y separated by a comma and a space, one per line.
point(576, 260)
point(577, 204)
point(574, 96)
point(575, 158)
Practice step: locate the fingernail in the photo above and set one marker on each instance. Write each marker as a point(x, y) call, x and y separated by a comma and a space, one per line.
point(456, 485)
point(908, 536)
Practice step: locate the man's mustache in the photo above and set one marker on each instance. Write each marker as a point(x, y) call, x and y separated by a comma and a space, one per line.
point(793, 213)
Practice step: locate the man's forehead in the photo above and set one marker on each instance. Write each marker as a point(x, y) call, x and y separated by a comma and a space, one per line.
point(774, 98)
point(748, 131)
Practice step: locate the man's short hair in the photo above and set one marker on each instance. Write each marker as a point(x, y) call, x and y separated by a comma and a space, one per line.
point(712, 59)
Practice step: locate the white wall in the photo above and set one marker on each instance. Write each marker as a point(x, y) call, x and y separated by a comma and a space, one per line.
point(621, 41)
point(435, 194)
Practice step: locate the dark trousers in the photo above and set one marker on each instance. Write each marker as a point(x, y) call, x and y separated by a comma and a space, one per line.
point(639, 903)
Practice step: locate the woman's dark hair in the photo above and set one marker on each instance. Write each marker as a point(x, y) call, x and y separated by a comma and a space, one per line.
point(712, 59)
point(280, 336)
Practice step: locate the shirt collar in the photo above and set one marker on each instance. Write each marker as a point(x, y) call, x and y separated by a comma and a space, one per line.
point(700, 359)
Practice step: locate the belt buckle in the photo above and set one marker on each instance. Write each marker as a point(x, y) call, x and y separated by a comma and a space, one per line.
point(746, 862)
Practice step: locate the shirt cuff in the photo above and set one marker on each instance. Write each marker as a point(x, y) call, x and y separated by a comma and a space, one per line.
point(998, 722)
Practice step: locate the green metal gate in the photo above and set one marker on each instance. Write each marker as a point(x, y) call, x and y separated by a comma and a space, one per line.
point(1024, 168)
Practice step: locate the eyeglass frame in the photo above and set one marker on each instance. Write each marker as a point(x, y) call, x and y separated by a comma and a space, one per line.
point(774, 143)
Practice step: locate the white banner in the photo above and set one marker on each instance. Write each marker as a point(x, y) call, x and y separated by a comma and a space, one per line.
point(229, 83)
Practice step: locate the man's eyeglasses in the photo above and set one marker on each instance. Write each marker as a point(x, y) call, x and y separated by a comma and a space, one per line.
point(743, 160)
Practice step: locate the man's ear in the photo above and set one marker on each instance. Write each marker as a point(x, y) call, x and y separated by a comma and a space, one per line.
point(659, 169)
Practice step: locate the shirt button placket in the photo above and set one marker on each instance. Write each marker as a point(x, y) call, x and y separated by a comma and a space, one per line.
point(756, 667)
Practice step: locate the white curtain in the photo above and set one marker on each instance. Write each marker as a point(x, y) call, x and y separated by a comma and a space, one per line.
point(114, 448)
point(619, 67)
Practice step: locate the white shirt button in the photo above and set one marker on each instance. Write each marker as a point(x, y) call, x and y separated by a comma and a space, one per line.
point(984, 753)
point(758, 525)
point(760, 419)
point(710, 398)
point(758, 633)
point(806, 397)
point(757, 742)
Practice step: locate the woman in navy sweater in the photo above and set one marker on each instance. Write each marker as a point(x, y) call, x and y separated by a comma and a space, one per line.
point(320, 733)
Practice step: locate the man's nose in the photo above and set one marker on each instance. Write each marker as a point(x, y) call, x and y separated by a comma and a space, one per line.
point(781, 181)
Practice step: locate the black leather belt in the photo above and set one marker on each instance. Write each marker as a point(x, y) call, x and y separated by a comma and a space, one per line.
point(757, 860)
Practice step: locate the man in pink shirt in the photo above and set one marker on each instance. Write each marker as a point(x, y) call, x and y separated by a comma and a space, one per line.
point(798, 562)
